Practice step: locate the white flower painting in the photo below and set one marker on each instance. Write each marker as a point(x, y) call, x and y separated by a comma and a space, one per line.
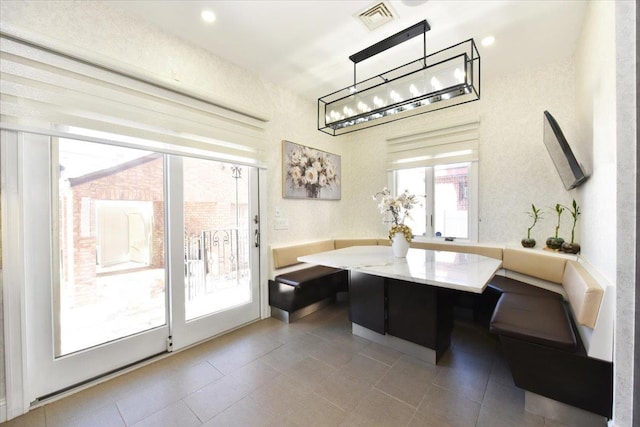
point(309, 173)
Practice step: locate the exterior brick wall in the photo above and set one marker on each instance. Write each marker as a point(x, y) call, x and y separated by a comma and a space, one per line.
point(458, 177)
point(141, 180)
point(138, 182)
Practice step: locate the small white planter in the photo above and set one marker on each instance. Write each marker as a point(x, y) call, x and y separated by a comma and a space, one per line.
point(400, 245)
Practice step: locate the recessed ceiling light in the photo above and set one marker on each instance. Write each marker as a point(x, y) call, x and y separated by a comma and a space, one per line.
point(208, 16)
point(488, 41)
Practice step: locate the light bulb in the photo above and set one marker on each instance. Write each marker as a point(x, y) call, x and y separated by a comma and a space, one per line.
point(208, 16)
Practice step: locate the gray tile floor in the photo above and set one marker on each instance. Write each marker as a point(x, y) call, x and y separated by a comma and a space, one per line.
point(313, 372)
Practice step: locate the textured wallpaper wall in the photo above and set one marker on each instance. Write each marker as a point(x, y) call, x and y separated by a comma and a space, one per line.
point(511, 149)
point(514, 167)
point(596, 116)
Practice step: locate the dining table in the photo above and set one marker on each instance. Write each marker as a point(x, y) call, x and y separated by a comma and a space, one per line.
point(407, 303)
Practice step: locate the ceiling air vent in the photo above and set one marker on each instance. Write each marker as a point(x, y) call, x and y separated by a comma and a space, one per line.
point(376, 16)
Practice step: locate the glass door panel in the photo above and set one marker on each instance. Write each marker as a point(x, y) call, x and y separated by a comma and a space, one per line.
point(215, 286)
point(216, 237)
point(111, 244)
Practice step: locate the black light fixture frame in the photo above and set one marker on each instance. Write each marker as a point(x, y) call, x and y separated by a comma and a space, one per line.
point(468, 91)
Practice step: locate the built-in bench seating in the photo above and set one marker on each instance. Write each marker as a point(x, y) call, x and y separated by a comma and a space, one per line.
point(299, 289)
point(298, 293)
point(539, 330)
point(554, 320)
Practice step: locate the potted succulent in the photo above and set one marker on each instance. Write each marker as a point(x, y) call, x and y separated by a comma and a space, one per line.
point(535, 215)
point(572, 247)
point(556, 242)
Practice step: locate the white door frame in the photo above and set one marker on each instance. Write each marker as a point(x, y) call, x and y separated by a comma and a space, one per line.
point(11, 153)
point(265, 308)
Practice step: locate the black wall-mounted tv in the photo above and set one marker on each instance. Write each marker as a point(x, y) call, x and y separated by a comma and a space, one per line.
point(570, 170)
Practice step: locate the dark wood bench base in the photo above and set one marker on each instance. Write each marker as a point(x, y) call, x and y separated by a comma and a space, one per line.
point(288, 317)
point(572, 378)
point(543, 348)
point(299, 293)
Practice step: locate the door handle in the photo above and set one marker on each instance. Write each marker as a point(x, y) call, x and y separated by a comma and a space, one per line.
point(256, 238)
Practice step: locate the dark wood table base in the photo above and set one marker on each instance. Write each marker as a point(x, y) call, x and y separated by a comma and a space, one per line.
point(402, 314)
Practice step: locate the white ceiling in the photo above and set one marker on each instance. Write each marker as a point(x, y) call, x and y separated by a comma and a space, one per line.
point(304, 45)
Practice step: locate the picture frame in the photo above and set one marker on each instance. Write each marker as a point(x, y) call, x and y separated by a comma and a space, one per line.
point(309, 173)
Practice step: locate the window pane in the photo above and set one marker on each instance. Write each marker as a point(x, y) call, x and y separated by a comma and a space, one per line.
point(413, 180)
point(451, 200)
point(111, 244)
point(216, 226)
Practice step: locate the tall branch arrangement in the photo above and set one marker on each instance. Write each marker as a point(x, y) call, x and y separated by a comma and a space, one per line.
point(396, 210)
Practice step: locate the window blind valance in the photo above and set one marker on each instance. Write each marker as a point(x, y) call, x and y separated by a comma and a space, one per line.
point(453, 143)
point(42, 90)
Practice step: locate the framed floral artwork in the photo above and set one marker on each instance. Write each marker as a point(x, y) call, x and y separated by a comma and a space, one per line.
point(309, 173)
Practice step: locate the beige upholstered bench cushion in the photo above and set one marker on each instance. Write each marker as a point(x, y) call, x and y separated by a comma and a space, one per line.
point(532, 263)
point(583, 292)
point(288, 255)
point(345, 243)
point(488, 251)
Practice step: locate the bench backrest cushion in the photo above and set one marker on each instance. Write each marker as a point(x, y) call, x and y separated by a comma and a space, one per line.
point(488, 251)
point(583, 292)
point(288, 255)
point(532, 263)
point(345, 243)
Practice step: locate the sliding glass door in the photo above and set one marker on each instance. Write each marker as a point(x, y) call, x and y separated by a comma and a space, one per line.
point(130, 253)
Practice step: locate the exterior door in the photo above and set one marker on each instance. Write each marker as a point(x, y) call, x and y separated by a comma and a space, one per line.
point(218, 288)
point(110, 279)
point(85, 319)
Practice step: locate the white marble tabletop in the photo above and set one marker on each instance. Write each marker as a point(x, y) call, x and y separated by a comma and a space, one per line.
point(452, 270)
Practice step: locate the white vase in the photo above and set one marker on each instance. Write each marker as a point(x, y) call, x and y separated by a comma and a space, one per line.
point(400, 245)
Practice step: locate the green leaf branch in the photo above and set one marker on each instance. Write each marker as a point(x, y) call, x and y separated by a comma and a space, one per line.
point(559, 209)
point(535, 215)
point(574, 211)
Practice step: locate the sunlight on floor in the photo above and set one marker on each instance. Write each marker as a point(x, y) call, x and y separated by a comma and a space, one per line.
point(131, 302)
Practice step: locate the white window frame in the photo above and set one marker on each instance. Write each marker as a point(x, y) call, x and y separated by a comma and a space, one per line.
point(473, 218)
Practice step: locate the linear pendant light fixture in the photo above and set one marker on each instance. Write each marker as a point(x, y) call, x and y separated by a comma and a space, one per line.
point(442, 79)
